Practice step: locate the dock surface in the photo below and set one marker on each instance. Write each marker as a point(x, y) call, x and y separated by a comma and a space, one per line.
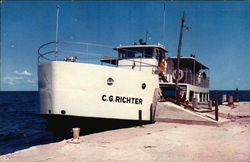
point(154, 142)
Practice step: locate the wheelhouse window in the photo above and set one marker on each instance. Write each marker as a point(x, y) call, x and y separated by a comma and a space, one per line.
point(137, 53)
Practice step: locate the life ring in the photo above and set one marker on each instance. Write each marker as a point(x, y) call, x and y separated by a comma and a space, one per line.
point(181, 74)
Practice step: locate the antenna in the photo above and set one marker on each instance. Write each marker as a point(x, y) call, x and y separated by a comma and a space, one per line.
point(57, 22)
point(146, 40)
point(164, 24)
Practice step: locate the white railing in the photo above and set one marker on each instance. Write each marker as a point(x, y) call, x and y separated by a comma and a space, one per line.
point(193, 79)
point(63, 51)
point(82, 52)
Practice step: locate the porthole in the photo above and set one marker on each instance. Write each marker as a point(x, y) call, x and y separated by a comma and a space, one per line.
point(63, 112)
point(143, 86)
point(110, 81)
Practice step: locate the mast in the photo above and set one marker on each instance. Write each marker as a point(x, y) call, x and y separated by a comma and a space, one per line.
point(177, 90)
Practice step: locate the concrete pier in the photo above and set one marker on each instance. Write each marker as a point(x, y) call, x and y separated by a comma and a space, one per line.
point(154, 142)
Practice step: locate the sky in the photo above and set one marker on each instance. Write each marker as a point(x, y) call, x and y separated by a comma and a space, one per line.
point(220, 35)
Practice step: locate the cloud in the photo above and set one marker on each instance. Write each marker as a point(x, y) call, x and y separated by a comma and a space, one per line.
point(30, 81)
point(9, 80)
point(14, 80)
point(25, 72)
point(19, 78)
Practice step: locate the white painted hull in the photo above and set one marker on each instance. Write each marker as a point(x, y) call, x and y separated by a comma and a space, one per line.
point(81, 90)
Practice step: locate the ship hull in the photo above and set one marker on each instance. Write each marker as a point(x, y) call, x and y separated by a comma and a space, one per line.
point(84, 90)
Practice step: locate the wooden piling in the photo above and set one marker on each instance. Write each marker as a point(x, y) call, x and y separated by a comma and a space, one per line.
point(237, 95)
point(140, 118)
point(178, 96)
point(151, 114)
point(216, 105)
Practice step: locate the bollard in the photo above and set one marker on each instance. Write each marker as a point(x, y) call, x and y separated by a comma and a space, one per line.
point(76, 135)
point(216, 105)
point(140, 118)
point(195, 102)
point(237, 95)
point(224, 98)
point(230, 100)
point(210, 104)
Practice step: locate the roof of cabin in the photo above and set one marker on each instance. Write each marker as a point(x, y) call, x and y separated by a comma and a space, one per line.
point(188, 62)
point(141, 46)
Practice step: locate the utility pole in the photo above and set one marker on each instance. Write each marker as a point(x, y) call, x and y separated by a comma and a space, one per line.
point(177, 90)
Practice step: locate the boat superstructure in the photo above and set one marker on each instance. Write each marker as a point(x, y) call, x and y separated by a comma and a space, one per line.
point(193, 80)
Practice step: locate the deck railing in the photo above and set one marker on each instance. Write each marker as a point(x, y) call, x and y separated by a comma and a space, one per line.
point(83, 52)
point(194, 79)
point(60, 51)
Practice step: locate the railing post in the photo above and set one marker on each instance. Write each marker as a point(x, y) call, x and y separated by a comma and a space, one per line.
point(87, 49)
point(216, 105)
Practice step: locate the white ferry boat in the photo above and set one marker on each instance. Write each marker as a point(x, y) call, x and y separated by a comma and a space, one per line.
point(71, 87)
point(73, 84)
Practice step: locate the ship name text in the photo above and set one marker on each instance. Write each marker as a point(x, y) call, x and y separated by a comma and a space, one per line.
point(120, 99)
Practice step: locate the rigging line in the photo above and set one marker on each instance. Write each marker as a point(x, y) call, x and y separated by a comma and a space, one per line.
point(164, 22)
point(82, 43)
point(78, 52)
point(57, 26)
